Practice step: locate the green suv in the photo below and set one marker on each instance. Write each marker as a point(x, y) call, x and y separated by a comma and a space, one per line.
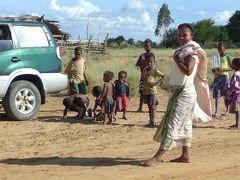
point(30, 67)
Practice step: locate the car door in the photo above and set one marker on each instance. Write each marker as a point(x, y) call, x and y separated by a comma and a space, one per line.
point(9, 60)
point(37, 50)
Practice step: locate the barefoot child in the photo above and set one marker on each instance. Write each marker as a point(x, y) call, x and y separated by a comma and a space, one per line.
point(122, 93)
point(106, 97)
point(142, 63)
point(76, 73)
point(76, 102)
point(152, 77)
point(96, 92)
point(232, 97)
point(221, 77)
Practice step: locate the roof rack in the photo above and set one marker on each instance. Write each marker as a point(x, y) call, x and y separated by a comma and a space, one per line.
point(27, 18)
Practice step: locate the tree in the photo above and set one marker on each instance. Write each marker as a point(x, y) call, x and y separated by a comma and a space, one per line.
point(119, 39)
point(233, 27)
point(204, 30)
point(163, 21)
point(170, 38)
point(131, 41)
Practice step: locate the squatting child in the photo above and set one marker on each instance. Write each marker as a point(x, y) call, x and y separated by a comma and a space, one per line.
point(78, 103)
point(106, 98)
point(232, 97)
point(122, 94)
point(152, 77)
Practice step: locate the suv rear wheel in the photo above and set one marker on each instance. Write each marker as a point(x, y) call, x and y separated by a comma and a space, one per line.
point(22, 101)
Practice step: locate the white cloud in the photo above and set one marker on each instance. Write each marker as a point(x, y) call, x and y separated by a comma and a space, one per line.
point(135, 5)
point(76, 18)
point(154, 7)
point(83, 7)
point(147, 21)
point(54, 6)
point(223, 17)
point(200, 13)
point(182, 8)
point(34, 14)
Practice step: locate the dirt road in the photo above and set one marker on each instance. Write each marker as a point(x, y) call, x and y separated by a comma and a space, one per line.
point(49, 148)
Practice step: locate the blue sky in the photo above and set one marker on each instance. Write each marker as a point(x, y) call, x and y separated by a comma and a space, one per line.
point(130, 18)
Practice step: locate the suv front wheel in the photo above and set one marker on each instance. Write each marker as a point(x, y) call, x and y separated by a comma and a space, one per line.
point(22, 101)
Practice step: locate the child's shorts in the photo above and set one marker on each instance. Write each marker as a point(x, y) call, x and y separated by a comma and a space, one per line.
point(78, 88)
point(121, 103)
point(151, 99)
point(108, 105)
point(220, 85)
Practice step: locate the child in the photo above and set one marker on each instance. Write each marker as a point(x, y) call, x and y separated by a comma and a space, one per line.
point(232, 97)
point(221, 78)
point(96, 92)
point(152, 77)
point(78, 103)
point(76, 73)
point(142, 63)
point(106, 97)
point(122, 93)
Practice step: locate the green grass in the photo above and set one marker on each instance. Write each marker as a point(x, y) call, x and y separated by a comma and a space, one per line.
point(125, 59)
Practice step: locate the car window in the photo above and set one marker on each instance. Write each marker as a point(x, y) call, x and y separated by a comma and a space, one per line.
point(5, 38)
point(31, 36)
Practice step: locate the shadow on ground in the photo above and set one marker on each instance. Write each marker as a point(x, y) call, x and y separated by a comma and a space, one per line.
point(72, 161)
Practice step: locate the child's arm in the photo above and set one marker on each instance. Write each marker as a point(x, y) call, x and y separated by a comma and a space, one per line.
point(104, 92)
point(160, 75)
point(65, 113)
point(128, 90)
point(95, 109)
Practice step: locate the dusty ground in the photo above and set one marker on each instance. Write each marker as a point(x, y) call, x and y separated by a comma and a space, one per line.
point(49, 148)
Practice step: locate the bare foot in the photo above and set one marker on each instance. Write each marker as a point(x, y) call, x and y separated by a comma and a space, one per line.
point(235, 126)
point(180, 160)
point(139, 110)
point(109, 122)
point(125, 117)
point(151, 162)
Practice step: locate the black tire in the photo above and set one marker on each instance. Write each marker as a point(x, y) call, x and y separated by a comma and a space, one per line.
point(22, 101)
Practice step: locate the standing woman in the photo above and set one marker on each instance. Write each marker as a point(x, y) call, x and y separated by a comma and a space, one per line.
point(176, 125)
point(76, 73)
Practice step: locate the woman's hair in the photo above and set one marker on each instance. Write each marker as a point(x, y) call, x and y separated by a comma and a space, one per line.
point(109, 75)
point(96, 91)
point(236, 62)
point(186, 25)
point(122, 72)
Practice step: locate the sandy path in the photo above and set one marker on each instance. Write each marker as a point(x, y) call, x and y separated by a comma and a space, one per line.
point(50, 148)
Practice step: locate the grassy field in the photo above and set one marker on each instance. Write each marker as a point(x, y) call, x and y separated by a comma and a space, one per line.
point(125, 59)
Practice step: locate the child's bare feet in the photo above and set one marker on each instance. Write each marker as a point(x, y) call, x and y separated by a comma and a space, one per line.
point(235, 126)
point(125, 117)
point(180, 160)
point(151, 162)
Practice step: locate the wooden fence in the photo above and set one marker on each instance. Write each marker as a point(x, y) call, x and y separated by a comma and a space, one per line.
point(88, 46)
